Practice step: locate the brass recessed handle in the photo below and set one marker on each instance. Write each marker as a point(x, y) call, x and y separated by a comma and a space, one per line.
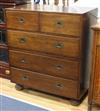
point(59, 85)
point(59, 23)
point(21, 19)
point(59, 45)
point(25, 78)
point(22, 40)
point(23, 61)
point(59, 67)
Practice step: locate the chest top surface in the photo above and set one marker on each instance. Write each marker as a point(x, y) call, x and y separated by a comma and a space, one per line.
point(54, 8)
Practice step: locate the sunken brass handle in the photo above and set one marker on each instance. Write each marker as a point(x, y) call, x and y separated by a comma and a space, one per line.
point(25, 78)
point(59, 85)
point(59, 45)
point(21, 20)
point(59, 24)
point(23, 61)
point(59, 67)
point(22, 40)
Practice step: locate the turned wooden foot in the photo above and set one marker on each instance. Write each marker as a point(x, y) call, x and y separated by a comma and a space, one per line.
point(19, 87)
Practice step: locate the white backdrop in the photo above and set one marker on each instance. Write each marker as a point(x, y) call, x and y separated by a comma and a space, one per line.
point(83, 3)
point(89, 3)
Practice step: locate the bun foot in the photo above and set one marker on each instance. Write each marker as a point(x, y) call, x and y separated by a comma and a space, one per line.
point(19, 87)
point(75, 102)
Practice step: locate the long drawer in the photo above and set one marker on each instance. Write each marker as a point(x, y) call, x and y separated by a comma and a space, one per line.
point(50, 84)
point(68, 24)
point(22, 20)
point(45, 64)
point(64, 46)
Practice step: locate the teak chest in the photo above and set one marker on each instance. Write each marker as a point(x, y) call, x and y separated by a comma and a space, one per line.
point(48, 48)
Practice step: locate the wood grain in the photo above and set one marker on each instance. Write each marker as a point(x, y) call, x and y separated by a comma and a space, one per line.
point(54, 85)
point(61, 24)
point(45, 64)
point(51, 44)
point(21, 20)
point(96, 94)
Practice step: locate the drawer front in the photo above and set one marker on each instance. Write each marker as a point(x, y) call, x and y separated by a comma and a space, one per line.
point(61, 24)
point(50, 84)
point(21, 20)
point(45, 43)
point(44, 64)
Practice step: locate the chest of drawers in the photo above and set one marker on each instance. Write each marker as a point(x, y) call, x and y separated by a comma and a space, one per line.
point(47, 48)
point(94, 93)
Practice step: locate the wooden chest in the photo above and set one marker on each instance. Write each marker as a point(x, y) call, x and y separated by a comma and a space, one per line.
point(48, 48)
point(94, 92)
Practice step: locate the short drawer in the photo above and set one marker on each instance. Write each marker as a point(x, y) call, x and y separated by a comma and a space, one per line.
point(45, 43)
point(45, 64)
point(50, 84)
point(22, 20)
point(69, 24)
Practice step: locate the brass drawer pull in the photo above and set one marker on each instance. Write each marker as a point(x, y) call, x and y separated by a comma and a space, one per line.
point(59, 67)
point(23, 61)
point(59, 85)
point(21, 20)
point(59, 24)
point(25, 78)
point(22, 40)
point(59, 45)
